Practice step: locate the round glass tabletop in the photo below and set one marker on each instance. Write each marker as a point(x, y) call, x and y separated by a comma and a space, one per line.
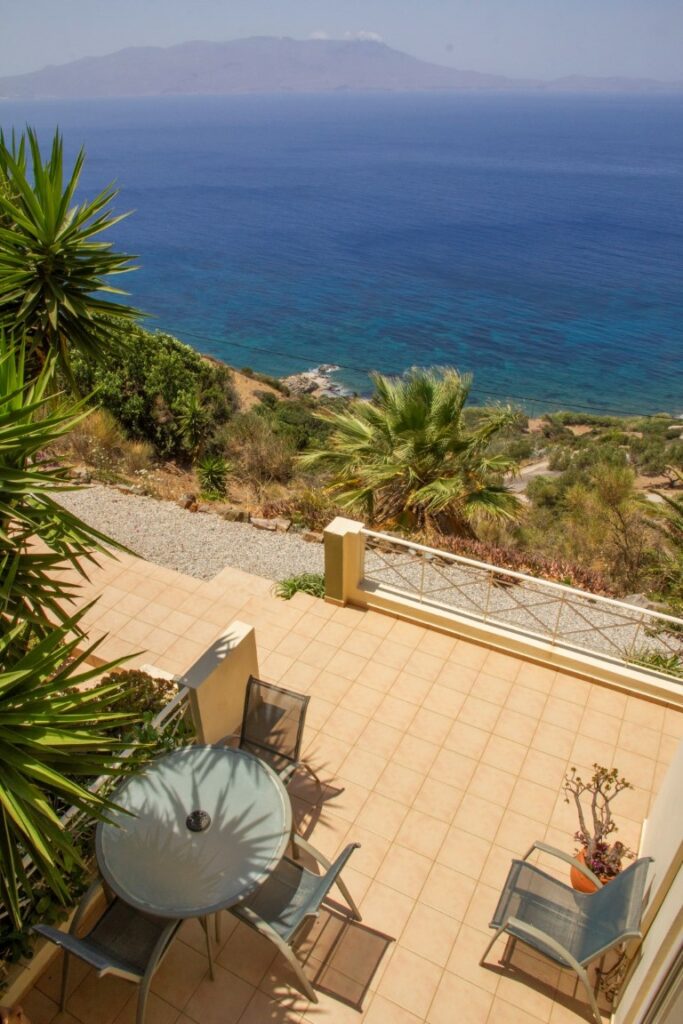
point(210, 824)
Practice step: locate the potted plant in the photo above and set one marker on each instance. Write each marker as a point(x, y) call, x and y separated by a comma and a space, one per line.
point(596, 850)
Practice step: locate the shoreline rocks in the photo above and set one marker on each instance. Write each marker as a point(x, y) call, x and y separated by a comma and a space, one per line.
point(317, 381)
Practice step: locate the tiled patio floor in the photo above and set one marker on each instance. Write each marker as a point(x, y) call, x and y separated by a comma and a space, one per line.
point(442, 758)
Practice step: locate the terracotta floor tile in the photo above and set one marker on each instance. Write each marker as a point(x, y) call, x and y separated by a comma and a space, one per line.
point(491, 688)
point(393, 654)
point(505, 666)
point(398, 713)
point(517, 832)
point(506, 754)
point(471, 1003)
point(428, 725)
point(430, 934)
point(469, 654)
point(376, 623)
point(409, 687)
point(383, 1011)
point(526, 701)
point(562, 712)
point(373, 850)
point(551, 739)
point(413, 752)
point(439, 644)
point(377, 676)
point(514, 726)
point(158, 1011)
point(482, 906)
point(345, 725)
point(601, 698)
point(457, 677)
point(348, 802)
point(220, 1001)
point(453, 768)
point(180, 974)
point(643, 712)
point(329, 685)
point(571, 688)
point(386, 909)
point(380, 739)
point(99, 1000)
point(399, 783)
point(492, 784)
point(407, 633)
point(362, 766)
point(479, 713)
point(448, 891)
point(382, 815)
point(262, 1008)
point(334, 633)
point(411, 981)
point(478, 816)
point(424, 665)
point(364, 644)
point(464, 852)
point(422, 833)
point(639, 739)
point(444, 701)
point(438, 799)
point(404, 870)
point(317, 654)
point(465, 956)
point(247, 954)
point(361, 699)
point(532, 799)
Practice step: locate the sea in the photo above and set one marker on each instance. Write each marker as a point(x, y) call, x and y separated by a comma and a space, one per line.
point(535, 241)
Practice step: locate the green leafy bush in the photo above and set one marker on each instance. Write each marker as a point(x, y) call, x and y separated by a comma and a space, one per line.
point(213, 471)
point(160, 390)
point(312, 583)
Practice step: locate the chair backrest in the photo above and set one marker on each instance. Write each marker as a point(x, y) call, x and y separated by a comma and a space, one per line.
point(273, 719)
point(613, 913)
point(319, 890)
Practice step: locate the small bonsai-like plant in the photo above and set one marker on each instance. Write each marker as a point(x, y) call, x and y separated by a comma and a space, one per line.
point(601, 855)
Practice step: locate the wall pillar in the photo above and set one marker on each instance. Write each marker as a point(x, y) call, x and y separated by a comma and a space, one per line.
point(217, 682)
point(344, 551)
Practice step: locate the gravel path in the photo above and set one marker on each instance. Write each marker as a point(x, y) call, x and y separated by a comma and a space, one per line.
point(194, 543)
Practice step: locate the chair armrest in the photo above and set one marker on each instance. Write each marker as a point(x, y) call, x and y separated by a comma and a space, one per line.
point(567, 858)
point(299, 841)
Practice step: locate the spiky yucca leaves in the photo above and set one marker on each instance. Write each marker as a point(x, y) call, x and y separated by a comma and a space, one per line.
point(54, 267)
point(52, 743)
point(38, 537)
point(407, 455)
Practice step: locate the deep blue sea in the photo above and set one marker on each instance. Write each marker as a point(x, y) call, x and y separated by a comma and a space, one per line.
point(536, 241)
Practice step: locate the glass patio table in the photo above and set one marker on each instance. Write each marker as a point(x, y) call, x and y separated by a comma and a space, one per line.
point(209, 825)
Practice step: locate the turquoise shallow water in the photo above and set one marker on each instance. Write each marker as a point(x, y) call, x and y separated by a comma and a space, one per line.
point(536, 241)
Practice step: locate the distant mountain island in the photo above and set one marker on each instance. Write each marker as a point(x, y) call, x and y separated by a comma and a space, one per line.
point(267, 65)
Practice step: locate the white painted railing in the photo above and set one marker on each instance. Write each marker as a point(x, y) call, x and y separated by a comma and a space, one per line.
point(552, 612)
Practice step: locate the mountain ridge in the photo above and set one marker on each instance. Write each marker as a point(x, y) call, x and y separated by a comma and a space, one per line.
point(266, 64)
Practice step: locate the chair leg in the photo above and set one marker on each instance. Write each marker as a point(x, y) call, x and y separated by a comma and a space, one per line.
point(66, 963)
point(219, 930)
point(142, 1000)
point(583, 977)
point(490, 945)
point(310, 771)
point(295, 964)
point(205, 925)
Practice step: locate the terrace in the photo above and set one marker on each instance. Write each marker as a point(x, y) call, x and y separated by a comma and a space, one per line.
point(442, 755)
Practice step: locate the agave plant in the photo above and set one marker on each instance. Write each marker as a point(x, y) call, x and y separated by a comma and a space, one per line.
point(53, 743)
point(38, 537)
point(54, 267)
point(408, 455)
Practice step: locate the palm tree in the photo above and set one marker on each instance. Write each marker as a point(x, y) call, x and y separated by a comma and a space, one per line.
point(50, 749)
point(54, 267)
point(408, 456)
point(38, 537)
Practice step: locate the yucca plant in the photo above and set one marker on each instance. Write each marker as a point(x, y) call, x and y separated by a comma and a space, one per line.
point(38, 537)
point(408, 456)
point(54, 266)
point(53, 744)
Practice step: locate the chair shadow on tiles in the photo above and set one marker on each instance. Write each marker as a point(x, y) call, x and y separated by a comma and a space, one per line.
point(524, 966)
point(341, 956)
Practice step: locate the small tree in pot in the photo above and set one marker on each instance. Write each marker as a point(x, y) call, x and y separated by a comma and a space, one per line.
point(601, 855)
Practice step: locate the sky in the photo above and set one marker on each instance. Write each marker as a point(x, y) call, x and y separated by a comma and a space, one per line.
point(523, 38)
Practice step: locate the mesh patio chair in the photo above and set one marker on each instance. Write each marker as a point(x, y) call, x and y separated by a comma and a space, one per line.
point(571, 928)
point(273, 727)
point(123, 942)
point(289, 897)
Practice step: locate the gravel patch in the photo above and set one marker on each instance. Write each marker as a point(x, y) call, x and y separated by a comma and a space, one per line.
point(194, 543)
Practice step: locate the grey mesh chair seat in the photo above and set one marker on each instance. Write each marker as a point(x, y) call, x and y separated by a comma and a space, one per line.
point(273, 727)
point(124, 942)
point(570, 927)
point(289, 897)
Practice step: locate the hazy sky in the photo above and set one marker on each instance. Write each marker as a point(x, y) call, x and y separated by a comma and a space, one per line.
point(540, 38)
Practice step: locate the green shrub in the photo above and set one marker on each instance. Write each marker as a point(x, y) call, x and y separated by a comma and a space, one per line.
point(160, 390)
point(312, 583)
point(213, 471)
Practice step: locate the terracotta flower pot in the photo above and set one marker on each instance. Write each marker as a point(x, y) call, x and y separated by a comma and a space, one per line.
point(579, 881)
